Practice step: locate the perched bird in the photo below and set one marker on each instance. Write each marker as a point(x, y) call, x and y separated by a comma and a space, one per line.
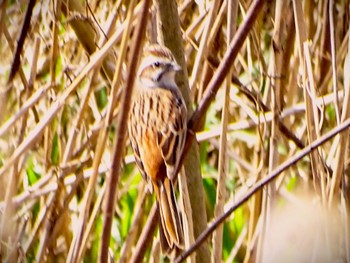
point(157, 131)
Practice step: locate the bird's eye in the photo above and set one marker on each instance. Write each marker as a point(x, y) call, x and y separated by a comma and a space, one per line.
point(156, 64)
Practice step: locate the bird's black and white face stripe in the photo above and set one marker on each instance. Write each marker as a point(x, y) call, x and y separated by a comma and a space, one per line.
point(157, 68)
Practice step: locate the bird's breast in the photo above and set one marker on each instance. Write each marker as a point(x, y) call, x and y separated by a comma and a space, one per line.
point(152, 112)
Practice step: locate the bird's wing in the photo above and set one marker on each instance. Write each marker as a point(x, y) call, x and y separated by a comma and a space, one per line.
point(171, 136)
point(134, 131)
point(138, 159)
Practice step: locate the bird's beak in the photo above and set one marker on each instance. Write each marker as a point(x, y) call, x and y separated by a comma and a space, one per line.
point(176, 67)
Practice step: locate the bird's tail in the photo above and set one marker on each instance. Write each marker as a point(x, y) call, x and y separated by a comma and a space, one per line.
point(170, 227)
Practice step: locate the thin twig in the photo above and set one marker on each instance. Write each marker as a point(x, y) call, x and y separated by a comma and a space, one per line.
point(20, 44)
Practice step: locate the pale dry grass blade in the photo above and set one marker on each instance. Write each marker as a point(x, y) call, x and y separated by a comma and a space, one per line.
point(187, 214)
point(189, 34)
point(203, 48)
point(232, 9)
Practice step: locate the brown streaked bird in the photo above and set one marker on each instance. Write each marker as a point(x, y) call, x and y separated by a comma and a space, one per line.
point(157, 130)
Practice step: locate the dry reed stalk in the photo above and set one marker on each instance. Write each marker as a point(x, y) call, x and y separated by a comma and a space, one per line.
point(232, 9)
point(186, 206)
point(121, 131)
point(169, 34)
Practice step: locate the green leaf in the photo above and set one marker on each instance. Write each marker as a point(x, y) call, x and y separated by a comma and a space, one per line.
point(291, 183)
point(91, 255)
point(210, 189)
point(101, 98)
point(330, 113)
point(239, 221)
point(32, 175)
point(127, 206)
point(55, 153)
point(228, 241)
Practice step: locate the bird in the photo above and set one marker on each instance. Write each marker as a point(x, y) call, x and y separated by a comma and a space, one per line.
point(157, 131)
